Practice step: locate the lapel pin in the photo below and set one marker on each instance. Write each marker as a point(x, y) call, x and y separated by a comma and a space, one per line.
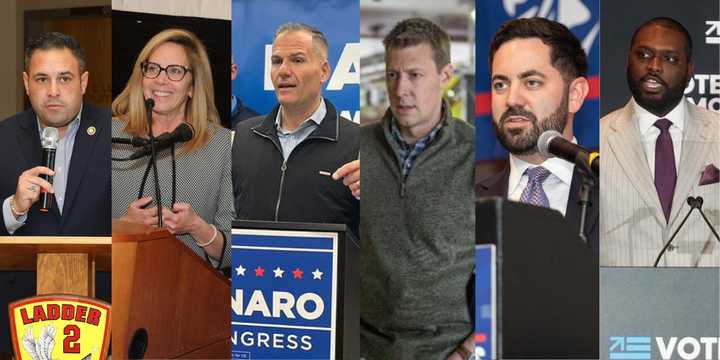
point(91, 130)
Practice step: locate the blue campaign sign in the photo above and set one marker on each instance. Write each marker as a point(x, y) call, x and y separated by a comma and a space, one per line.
point(253, 27)
point(485, 302)
point(284, 294)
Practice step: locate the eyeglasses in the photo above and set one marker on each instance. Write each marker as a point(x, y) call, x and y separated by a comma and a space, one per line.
point(152, 70)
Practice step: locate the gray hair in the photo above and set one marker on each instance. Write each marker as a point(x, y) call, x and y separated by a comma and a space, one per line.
point(318, 37)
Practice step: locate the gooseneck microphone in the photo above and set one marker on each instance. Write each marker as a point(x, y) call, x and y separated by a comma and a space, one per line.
point(552, 144)
point(149, 104)
point(699, 202)
point(184, 132)
point(694, 204)
point(49, 141)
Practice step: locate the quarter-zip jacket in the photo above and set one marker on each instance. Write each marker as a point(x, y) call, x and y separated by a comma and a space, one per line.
point(297, 189)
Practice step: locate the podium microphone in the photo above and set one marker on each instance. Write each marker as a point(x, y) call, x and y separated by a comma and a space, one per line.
point(49, 141)
point(699, 202)
point(694, 204)
point(184, 132)
point(551, 144)
point(149, 105)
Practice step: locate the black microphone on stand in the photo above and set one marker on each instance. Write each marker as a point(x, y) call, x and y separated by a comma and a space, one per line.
point(50, 138)
point(699, 201)
point(551, 143)
point(694, 204)
point(149, 104)
point(184, 132)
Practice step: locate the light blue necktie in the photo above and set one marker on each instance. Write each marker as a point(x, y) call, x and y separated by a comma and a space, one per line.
point(534, 193)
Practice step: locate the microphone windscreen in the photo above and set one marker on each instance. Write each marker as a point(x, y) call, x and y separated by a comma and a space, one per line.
point(543, 143)
point(50, 138)
point(185, 132)
point(149, 104)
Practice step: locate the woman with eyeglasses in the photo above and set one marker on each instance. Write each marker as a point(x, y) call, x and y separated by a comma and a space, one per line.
point(172, 82)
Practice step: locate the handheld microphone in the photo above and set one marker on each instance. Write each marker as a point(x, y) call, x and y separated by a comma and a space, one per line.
point(694, 204)
point(49, 141)
point(699, 202)
point(184, 132)
point(551, 144)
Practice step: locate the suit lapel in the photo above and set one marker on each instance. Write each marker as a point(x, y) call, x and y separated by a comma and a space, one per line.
point(29, 139)
point(626, 145)
point(82, 150)
point(496, 185)
point(695, 136)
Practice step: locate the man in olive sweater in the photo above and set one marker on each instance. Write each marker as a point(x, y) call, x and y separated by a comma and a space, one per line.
point(417, 226)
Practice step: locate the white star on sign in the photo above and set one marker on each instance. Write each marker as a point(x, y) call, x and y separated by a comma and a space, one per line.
point(317, 274)
point(278, 272)
point(240, 270)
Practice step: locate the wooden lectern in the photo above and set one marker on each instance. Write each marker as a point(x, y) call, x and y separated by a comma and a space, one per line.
point(168, 302)
point(64, 265)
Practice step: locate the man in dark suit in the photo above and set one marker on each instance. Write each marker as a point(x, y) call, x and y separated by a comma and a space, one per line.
point(538, 70)
point(55, 81)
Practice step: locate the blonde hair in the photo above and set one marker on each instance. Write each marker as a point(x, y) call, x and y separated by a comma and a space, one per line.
point(200, 111)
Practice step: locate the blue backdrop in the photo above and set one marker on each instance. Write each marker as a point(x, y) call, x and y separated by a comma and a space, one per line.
point(583, 19)
point(253, 26)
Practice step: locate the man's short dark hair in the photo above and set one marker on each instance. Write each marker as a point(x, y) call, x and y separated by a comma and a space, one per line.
point(415, 31)
point(566, 53)
point(317, 35)
point(56, 41)
point(670, 24)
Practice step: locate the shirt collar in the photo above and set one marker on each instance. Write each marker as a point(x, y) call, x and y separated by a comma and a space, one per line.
point(317, 117)
point(646, 119)
point(562, 169)
point(72, 126)
point(425, 140)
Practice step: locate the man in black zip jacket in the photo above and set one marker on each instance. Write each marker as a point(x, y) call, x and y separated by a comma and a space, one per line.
point(298, 163)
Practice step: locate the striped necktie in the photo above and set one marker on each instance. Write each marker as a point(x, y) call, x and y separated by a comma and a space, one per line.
point(534, 193)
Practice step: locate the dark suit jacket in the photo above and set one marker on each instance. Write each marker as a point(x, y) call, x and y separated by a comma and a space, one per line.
point(86, 209)
point(497, 185)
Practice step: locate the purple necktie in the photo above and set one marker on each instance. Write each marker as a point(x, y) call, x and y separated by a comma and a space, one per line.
point(665, 171)
point(534, 193)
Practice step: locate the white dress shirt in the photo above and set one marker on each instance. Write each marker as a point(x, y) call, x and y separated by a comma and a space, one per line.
point(649, 133)
point(556, 186)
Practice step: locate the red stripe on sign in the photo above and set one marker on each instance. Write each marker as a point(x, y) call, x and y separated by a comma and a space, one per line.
point(594, 87)
point(482, 104)
point(480, 337)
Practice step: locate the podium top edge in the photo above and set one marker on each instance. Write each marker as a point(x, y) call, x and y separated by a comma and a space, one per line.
point(279, 225)
point(55, 240)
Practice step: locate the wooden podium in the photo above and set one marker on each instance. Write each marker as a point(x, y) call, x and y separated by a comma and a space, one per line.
point(167, 302)
point(64, 265)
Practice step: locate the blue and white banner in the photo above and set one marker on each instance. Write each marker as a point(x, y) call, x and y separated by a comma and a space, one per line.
point(485, 302)
point(253, 27)
point(284, 294)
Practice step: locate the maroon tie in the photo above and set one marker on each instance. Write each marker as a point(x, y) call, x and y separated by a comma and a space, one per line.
point(665, 171)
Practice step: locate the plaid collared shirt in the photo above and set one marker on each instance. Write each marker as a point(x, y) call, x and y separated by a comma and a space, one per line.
point(408, 153)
